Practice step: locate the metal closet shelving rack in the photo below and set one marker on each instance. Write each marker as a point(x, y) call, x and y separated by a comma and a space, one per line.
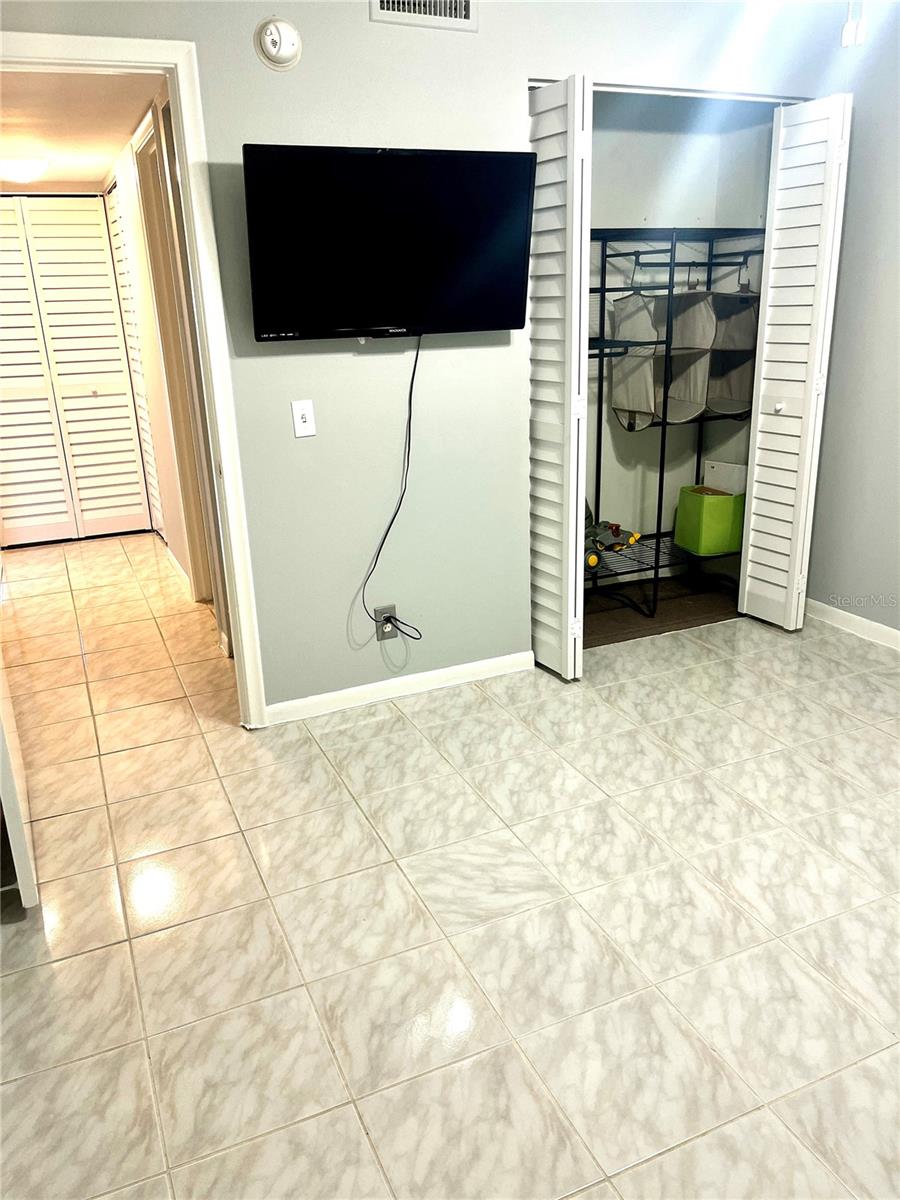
point(656, 551)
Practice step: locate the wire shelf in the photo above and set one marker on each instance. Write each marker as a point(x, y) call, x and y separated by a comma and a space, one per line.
point(638, 559)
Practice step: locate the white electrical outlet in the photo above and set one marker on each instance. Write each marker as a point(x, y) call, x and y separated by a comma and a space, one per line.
point(304, 418)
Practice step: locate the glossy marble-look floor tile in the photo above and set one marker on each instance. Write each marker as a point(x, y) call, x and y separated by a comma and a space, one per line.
point(128, 691)
point(479, 880)
point(321, 1158)
point(281, 790)
point(348, 726)
point(346, 922)
point(572, 717)
point(205, 966)
point(74, 842)
point(644, 760)
point(80, 1129)
point(25, 651)
point(83, 1005)
point(866, 837)
point(242, 1073)
point(793, 717)
point(145, 725)
point(854, 653)
point(236, 750)
point(166, 820)
point(49, 673)
point(471, 741)
point(546, 964)
point(794, 664)
point(127, 660)
point(315, 847)
point(193, 881)
point(44, 745)
point(713, 738)
point(217, 710)
point(404, 1015)
point(741, 636)
point(51, 707)
point(868, 697)
point(670, 920)
point(729, 681)
point(775, 1019)
point(446, 704)
point(525, 687)
point(634, 1078)
point(209, 675)
point(479, 1129)
point(860, 952)
point(158, 768)
point(65, 787)
point(869, 757)
point(694, 813)
point(654, 698)
point(789, 784)
point(851, 1122)
point(432, 813)
point(587, 846)
point(532, 786)
point(752, 1157)
point(388, 761)
point(76, 914)
point(783, 880)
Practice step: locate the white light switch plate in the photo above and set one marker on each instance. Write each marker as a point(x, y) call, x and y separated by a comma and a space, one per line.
point(304, 418)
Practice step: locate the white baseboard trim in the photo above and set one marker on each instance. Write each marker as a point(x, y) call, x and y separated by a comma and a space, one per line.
point(852, 622)
point(402, 685)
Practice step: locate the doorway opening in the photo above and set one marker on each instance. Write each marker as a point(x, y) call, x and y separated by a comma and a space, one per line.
point(103, 424)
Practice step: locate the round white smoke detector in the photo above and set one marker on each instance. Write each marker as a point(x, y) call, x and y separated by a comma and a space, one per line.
point(278, 44)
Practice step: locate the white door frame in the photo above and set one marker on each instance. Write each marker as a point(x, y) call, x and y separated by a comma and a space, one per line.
point(178, 62)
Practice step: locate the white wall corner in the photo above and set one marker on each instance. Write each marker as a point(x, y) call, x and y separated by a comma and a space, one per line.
point(403, 685)
point(851, 622)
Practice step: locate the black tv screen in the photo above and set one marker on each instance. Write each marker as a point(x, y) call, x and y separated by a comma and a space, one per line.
point(386, 243)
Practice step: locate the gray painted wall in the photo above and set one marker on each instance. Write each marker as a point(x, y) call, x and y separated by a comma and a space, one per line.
point(855, 562)
point(458, 563)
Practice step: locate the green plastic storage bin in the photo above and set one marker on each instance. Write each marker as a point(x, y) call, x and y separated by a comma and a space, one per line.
point(706, 525)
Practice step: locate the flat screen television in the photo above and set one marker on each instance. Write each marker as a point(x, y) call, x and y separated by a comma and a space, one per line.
point(348, 242)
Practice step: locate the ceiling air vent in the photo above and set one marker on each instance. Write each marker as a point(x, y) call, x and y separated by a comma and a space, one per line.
point(433, 14)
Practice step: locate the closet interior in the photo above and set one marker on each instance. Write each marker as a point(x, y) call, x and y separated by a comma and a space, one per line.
point(678, 209)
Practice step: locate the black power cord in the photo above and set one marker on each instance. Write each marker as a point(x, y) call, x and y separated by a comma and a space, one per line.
point(408, 630)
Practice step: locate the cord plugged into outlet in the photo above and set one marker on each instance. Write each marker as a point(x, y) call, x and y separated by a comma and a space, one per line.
point(385, 622)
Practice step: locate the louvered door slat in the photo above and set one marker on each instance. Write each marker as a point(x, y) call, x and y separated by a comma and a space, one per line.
point(806, 200)
point(121, 236)
point(35, 499)
point(560, 136)
point(88, 358)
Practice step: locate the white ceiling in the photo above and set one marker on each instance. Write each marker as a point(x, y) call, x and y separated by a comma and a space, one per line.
point(77, 122)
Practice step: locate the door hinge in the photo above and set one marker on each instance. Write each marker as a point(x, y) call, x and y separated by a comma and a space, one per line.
point(843, 152)
point(576, 627)
point(579, 407)
point(801, 584)
point(819, 385)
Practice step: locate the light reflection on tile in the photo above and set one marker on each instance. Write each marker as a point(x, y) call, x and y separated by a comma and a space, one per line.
point(65, 787)
point(532, 785)
point(74, 842)
point(193, 881)
point(388, 761)
point(404, 1015)
point(314, 847)
point(267, 794)
point(869, 757)
point(573, 716)
point(694, 812)
point(789, 784)
point(165, 820)
point(615, 768)
point(158, 768)
point(713, 738)
point(866, 837)
point(471, 741)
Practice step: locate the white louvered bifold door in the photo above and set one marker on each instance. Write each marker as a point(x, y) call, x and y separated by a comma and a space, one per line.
point(35, 498)
point(120, 213)
point(803, 233)
point(561, 138)
point(73, 273)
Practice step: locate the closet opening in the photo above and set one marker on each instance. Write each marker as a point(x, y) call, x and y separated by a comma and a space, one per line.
point(678, 204)
point(104, 452)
